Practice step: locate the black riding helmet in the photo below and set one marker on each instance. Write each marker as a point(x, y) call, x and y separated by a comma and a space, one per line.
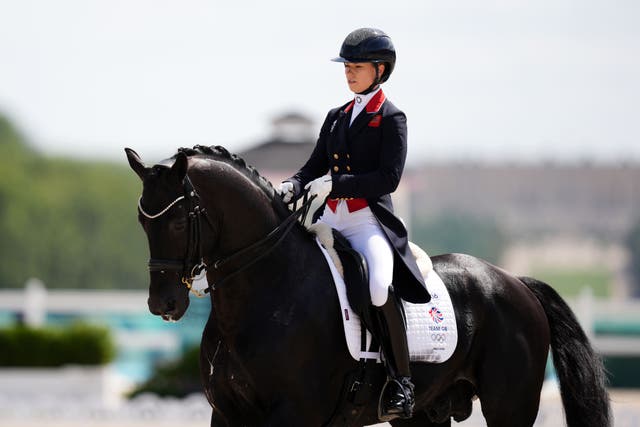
point(369, 45)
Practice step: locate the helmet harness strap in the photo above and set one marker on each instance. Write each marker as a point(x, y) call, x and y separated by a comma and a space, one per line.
point(376, 81)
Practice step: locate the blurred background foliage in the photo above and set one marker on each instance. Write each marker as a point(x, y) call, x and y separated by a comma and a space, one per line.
point(70, 223)
point(79, 344)
point(179, 377)
point(572, 281)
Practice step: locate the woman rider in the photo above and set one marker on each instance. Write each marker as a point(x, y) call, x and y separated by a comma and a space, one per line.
point(363, 144)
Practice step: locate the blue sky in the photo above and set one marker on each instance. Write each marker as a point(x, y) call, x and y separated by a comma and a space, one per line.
point(492, 80)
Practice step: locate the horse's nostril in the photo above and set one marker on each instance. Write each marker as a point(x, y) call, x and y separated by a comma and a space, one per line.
point(160, 308)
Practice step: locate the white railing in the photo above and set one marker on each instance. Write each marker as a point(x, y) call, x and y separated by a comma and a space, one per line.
point(34, 301)
point(589, 309)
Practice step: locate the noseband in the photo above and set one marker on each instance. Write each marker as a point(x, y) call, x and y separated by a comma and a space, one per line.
point(193, 263)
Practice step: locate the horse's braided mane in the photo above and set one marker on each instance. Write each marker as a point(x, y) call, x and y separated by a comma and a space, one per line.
point(220, 153)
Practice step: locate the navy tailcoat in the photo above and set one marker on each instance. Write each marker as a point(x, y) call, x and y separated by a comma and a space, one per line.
point(366, 160)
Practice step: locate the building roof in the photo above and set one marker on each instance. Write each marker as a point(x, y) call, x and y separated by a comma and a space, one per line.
point(278, 155)
point(290, 145)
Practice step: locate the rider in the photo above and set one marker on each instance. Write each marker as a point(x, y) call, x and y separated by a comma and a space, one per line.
point(363, 144)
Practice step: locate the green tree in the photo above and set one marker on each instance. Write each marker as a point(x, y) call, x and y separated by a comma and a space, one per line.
point(70, 223)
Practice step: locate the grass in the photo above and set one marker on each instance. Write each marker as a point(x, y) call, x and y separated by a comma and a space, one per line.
point(569, 283)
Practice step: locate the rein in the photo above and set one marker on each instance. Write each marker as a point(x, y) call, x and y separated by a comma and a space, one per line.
point(193, 263)
point(263, 247)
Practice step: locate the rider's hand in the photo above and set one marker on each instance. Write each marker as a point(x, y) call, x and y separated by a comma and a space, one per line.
point(320, 187)
point(286, 191)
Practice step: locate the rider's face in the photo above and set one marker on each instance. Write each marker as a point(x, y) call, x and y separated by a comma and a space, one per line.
point(360, 75)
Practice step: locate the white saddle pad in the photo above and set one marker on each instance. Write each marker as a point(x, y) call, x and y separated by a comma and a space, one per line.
point(431, 328)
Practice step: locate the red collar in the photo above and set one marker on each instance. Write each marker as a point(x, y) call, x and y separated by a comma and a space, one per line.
point(374, 104)
point(349, 107)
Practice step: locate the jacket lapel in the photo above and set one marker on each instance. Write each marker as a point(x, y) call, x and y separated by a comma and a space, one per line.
point(359, 122)
point(342, 127)
point(365, 116)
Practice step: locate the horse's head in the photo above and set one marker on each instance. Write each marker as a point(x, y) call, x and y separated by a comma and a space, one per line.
point(239, 211)
point(163, 212)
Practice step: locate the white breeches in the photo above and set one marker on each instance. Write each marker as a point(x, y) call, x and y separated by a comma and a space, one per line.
point(364, 233)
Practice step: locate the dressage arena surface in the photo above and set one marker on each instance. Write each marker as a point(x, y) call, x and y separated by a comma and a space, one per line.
point(194, 411)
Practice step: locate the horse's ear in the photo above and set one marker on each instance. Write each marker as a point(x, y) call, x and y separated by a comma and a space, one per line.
point(180, 165)
point(136, 163)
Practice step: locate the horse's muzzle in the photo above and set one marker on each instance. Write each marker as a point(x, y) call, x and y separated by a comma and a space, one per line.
point(170, 309)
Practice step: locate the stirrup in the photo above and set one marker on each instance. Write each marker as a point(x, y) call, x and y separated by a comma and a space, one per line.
point(396, 399)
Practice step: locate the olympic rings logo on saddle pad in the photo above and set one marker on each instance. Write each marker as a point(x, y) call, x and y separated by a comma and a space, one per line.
point(432, 332)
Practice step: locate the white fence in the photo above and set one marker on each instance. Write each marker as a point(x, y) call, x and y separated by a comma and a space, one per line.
point(35, 301)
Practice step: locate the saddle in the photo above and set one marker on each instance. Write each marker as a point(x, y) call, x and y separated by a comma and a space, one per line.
point(356, 274)
point(351, 265)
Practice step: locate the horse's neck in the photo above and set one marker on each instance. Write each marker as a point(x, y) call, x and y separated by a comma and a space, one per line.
point(239, 210)
point(243, 215)
point(272, 286)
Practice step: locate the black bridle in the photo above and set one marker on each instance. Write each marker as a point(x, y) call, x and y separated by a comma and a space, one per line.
point(193, 262)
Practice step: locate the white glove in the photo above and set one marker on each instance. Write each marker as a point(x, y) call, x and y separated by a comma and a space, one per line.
point(286, 191)
point(320, 187)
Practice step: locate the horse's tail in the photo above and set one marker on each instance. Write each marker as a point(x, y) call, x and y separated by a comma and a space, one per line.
point(579, 368)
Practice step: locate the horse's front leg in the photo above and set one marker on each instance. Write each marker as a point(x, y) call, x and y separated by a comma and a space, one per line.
point(224, 415)
point(217, 419)
point(293, 414)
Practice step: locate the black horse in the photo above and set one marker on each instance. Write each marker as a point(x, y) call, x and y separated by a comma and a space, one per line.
point(273, 352)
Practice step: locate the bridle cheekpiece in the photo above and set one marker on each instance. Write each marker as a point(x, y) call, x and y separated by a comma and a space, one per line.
point(193, 262)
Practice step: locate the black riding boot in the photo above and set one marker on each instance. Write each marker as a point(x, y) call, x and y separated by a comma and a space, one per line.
point(396, 399)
